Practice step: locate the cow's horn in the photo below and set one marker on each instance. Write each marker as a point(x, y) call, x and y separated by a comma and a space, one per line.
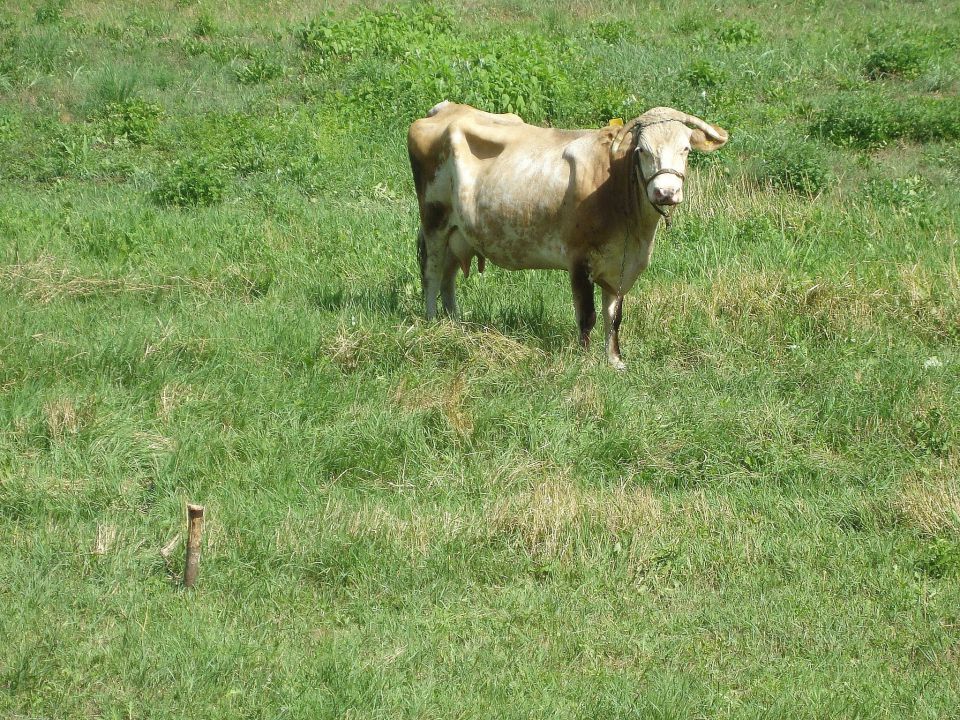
point(709, 130)
point(665, 113)
point(661, 114)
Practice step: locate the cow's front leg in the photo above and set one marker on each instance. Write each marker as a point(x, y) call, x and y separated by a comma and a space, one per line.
point(583, 306)
point(433, 258)
point(612, 315)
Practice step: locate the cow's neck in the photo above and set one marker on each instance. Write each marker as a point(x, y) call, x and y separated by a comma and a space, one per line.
point(646, 218)
point(631, 239)
point(641, 218)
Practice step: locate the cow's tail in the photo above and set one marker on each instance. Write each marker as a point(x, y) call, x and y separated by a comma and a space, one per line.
point(422, 258)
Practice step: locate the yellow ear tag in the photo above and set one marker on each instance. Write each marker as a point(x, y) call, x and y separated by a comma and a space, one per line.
point(615, 122)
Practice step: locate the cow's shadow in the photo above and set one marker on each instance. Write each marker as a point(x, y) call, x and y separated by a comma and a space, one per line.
point(525, 322)
point(387, 300)
point(528, 321)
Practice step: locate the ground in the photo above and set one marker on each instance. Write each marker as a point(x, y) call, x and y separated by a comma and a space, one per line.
point(209, 292)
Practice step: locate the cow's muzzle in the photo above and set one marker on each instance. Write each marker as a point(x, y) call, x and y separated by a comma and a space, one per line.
point(644, 182)
point(663, 196)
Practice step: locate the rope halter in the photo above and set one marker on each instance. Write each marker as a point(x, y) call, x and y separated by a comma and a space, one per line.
point(636, 130)
point(645, 183)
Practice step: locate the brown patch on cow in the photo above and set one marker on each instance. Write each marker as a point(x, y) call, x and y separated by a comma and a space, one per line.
point(434, 217)
point(600, 206)
point(481, 263)
point(422, 256)
point(417, 169)
point(428, 145)
point(614, 348)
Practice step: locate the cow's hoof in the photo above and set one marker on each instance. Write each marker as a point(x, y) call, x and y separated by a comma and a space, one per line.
point(617, 364)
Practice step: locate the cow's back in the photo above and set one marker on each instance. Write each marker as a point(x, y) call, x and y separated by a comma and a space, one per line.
point(428, 140)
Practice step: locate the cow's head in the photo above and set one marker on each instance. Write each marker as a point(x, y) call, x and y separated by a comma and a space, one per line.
point(663, 137)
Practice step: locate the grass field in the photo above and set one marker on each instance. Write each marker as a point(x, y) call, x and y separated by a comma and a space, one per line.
point(209, 292)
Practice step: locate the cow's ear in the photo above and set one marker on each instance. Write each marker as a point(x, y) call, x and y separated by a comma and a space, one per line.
point(704, 143)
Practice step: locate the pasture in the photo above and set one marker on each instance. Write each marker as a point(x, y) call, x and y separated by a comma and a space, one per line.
point(209, 292)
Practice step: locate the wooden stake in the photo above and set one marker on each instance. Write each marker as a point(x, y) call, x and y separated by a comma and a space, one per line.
point(194, 531)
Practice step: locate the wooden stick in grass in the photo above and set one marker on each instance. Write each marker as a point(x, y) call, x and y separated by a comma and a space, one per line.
point(194, 530)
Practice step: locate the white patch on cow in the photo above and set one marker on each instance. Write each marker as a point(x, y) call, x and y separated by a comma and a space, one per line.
point(664, 147)
point(501, 203)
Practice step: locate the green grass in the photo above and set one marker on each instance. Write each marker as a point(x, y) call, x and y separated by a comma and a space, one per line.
point(209, 292)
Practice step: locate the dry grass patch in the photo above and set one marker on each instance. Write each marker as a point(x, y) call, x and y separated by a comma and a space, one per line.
point(154, 443)
point(172, 395)
point(448, 397)
point(354, 347)
point(586, 400)
point(835, 303)
point(931, 502)
point(63, 418)
point(712, 193)
point(104, 540)
point(44, 280)
point(925, 300)
point(698, 510)
point(518, 471)
point(415, 530)
point(555, 520)
point(558, 520)
point(928, 299)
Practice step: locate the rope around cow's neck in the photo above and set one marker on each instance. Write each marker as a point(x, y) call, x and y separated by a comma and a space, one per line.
point(645, 183)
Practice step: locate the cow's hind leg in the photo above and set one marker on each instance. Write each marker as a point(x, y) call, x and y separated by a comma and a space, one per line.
point(583, 304)
point(448, 285)
point(433, 257)
point(612, 315)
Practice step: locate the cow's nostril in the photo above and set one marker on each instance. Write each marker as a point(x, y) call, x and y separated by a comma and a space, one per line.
point(665, 197)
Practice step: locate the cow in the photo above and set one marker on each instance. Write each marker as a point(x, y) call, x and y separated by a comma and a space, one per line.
point(589, 202)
